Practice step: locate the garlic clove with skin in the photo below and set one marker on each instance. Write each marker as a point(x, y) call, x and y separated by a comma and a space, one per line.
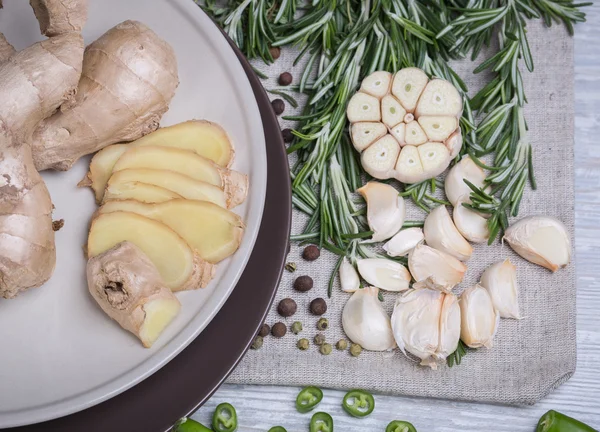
point(441, 233)
point(454, 143)
point(403, 242)
point(385, 209)
point(479, 318)
point(449, 327)
point(500, 280)
point(349, 279)
point(541, 240)
point(435, 269)
point(366, 323)
point(454, 184)
point(470, 224)
point(385, 274)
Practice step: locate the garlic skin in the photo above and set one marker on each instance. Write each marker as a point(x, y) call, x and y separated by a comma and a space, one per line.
point(541, 240)
point(385, 209)
point(454, 184)
point(469, 223)
point(403, 242)
point(349, 279)
point(385, 274)
point(365, 322)
point(441, 234)
point(450, 325)
point(479, 319)
point(500, 280)
point(435, 269)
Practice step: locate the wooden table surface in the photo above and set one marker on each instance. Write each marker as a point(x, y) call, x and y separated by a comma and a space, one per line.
point(261, 407)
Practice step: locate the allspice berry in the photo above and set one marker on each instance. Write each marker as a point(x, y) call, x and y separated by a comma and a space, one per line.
point(285, 79)
point(325, 349)
point(264, 330)
point(342, 344)
point(287, 307)
point(258, 343)
point(303, 344)
point(296, 327)
point(279, 330)
point(318, 306)
point(311, 253)
point(303, 283)
point(319, 339)
point(278, 106)
point(355, 350)
point(323, 324)
point(287, 136)
point(275, 52)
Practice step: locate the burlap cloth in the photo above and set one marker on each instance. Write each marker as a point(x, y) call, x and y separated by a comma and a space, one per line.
point(530, 357)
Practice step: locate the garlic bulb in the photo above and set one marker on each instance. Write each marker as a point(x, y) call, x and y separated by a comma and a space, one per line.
point(454, 184)
point(422, 117)
point(365, 322)
point(348, 277)
point(426, 323)
point(479, 319)
point(435, 269)
point(385, 209)
point(541, 240)
point(500, 280)
point(441, 234)
point(385, 274)
point(403, 242)
point(469, 223)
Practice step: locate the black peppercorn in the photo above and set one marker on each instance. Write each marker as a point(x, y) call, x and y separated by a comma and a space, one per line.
point(275, 52)
point(279, 329)
point(287, 135)
point(278, 106)
point(287, 307)
point(318, 306)
point(311, 253)
point(264, 330)
point(285, 79)
point(303, 283)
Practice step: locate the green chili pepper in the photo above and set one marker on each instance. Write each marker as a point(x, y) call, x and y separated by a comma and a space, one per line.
point(225, 418)
point(554, 421)
point(321, 422)
point(308, 399)
point(189, 425)
point(400, 426)
point(358, 403)
point(277, 429)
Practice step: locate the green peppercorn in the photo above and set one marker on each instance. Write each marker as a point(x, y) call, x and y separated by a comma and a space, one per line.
point(296, 327)
point(342, 344)
point(258, 343)
point(319, 339)
point(355, 350)
point(291, 267)
point(303, 344)
point(325, 349)
point(323, 324)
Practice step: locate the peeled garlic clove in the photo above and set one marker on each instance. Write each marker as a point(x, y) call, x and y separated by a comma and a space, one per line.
point(470, 224)
point(435, 269)
point(416, 324)
point(408, 168)
point(363, 108)
point(348, 277)
point(454, 143)
point(438, 128)
point(377, 84)
point(479, 319)
point(440, 98)
point(365, 322)
point(541, 240)
point(441, 233)
point(434, 159)
point(385, 209)
point(364, 134)
point(449, 327)
point(414, 134)
point(500, 280)
point(398, 132)
point(454, 184)
point(403, 242)
point(380, 158)
point(392, 112)
point(385, 274)
point(407, 86)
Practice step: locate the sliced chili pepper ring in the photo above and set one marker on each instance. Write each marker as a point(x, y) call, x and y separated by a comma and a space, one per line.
point(358, 403)
point(189, 425)
point(400, 426)
point(225, 418)
point(308, 399)
point(321, 422)
point(277, 429)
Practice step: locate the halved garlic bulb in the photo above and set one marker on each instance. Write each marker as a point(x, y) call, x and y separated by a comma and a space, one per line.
point(366, 323)
point(385, 274)
point(470, 224)
point(454, 184)
point(479, 318)
point(349, 279)
point(435, 269)
point(403, 242)
point(500, 280)
point(441, 234)
point(385, 209)
point(418, 112)
point(541, 240)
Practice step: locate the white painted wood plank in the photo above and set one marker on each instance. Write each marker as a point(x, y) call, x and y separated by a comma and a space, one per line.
point(260, 407)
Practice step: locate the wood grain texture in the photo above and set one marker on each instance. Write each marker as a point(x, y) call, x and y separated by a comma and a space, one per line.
point(261, 407)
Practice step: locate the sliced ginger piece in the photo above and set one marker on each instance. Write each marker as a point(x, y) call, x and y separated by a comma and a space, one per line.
point(179, 267)
point(181, 184)
point(377, 84)
point(363, 108)
point(130, 290)
point(379, 159)
point(414, 134)
point(407, 86)
point(366, 133)
point(392, 111)
point(139, 191)
point(215, 233)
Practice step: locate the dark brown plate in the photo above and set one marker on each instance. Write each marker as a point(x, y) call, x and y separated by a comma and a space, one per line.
point(187, 381)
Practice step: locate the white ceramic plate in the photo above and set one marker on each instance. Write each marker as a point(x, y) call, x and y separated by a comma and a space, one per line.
point(59, 353)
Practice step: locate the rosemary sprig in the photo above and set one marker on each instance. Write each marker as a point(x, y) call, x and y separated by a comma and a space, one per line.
point(456, 357)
